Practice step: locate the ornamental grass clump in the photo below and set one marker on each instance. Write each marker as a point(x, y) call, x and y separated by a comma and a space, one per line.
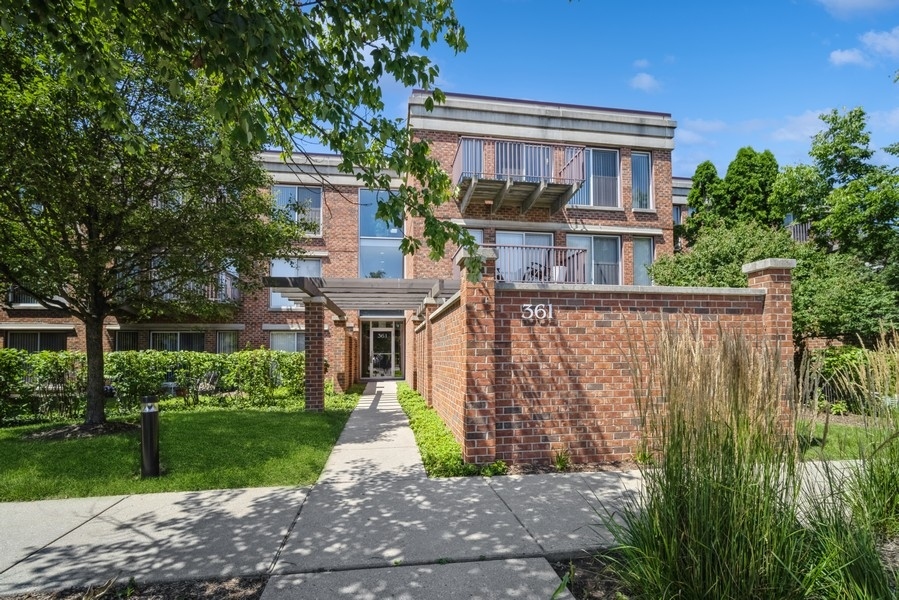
point(723, 513)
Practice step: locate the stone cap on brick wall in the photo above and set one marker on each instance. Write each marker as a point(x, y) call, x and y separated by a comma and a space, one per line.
point(485, 253)
point(769, 263)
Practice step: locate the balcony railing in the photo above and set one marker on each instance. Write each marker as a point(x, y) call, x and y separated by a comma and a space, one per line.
point(800, 231)
point(523, 174)
point(222, 289)
point(540, 264)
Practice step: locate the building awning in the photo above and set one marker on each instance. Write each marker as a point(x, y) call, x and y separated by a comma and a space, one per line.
point(363, 294)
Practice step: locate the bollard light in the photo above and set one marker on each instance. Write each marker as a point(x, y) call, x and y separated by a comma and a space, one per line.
point(149, 437)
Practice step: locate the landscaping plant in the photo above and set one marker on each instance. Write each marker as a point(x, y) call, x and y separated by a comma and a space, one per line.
point(723, 514)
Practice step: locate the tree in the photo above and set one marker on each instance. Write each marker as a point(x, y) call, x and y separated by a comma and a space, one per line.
point(133, 216)
point(743, 195)
point(290, 73)
point(851, 203)
point(833, 294)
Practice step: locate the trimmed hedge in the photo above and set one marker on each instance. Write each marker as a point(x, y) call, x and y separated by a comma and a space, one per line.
point(440, 452)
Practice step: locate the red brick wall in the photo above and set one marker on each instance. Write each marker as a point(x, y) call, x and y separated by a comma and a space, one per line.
point(567, 382)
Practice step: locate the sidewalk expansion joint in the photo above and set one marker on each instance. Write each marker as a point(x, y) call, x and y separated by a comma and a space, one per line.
point(293, 524)
point(62, 535)
point(520, 522)
point(409, 563)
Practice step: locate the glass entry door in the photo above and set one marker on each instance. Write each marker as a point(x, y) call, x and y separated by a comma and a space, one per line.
point(382, 352)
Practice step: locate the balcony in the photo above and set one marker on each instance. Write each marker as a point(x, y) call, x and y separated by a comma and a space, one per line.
point(540, 264)
point(222, 289)
point(500, 173)
point(18, 298)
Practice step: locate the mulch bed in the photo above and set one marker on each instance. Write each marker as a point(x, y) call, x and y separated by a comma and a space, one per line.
point(236, 588)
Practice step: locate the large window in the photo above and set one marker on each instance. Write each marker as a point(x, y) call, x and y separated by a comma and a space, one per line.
point(287, 341)
point(295, 267)
point(641, 180)
point(226, 342)
point(643, 250)
point(523, 256)
point(603, 265)
point(19, 298)
point(36, 341)
point(379, 242)
point(193, 341)
point(300, 203)
point(126, 340)
point(604, 178)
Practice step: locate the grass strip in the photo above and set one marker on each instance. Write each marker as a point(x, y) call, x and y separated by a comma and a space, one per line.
point(440, 452)
point(199, 450)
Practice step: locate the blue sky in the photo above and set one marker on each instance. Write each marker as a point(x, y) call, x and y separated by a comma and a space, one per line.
point(732, 73)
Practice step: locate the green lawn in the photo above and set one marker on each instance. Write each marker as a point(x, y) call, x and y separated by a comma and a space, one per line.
point(842, 442)
point(203, 449)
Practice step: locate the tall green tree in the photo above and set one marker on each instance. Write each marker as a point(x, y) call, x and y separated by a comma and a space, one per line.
point(290, 74)
point(851, 202)
point(134, 216)
point(745, 193)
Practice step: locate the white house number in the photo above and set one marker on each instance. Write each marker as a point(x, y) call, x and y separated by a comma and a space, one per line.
point(536, 311)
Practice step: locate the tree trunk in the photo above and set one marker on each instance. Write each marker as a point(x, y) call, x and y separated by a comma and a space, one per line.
point(96, 399)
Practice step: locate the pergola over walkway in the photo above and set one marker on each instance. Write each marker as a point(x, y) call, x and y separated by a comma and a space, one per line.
point(339, 295)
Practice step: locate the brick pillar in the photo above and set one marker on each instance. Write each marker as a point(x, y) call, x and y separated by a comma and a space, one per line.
point(479, 422)
point(774, 276)
point(315, 353)
point(413, 376)
point(340, 350)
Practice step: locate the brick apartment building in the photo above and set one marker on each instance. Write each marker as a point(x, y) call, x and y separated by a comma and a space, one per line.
point(570, 203)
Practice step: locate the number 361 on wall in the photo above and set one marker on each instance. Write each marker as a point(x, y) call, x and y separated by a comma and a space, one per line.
point(536, 311)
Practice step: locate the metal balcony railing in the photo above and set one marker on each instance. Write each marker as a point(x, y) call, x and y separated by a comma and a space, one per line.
point(18, 297)
point(540, 264)
point(485, 158)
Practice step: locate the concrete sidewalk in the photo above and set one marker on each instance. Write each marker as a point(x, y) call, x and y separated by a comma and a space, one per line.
point(374, 526)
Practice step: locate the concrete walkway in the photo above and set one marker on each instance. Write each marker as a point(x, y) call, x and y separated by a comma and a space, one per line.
point(374, 526)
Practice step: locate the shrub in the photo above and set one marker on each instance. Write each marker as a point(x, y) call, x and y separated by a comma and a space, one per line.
point(255, 374)
point(441, 454)
point(59, 382)
point(137, 373)
point(14, 392)
point(197, 373)
point(292, 368)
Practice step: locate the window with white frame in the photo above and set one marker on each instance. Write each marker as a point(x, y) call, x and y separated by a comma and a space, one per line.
point(287, 341)
point(300, 202)
point(194, 341)
point(603, 264)
point(604, 178)
point(36, 341)
point(643, 255)
point(226, 342)
point(293, 267)
point(126, 340)
point(641, 180)
point(380, 256)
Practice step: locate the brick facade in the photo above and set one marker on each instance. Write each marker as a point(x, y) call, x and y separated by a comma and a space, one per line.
point(567, 382)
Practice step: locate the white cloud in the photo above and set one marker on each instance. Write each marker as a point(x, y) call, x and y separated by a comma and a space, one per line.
point(849, 8)
point(689, 137)
point(800, 127)
point(645, 82)
point(882, 42)
point(854, 56)
point(641, 63)
point(704, 125)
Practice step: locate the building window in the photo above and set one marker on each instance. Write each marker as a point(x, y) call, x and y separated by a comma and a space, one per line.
point(523, 256)
point(643, 251)
point(678, 211)
point(380, 256)
point(126, 340)
point(287, 341)
point(641, 180)
point(172, 341)
point(226, 342)
point(603, 264)
point(37, 341)
point(19, 298)
point(300, 203)
point(604, 178)
point(294, 267)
